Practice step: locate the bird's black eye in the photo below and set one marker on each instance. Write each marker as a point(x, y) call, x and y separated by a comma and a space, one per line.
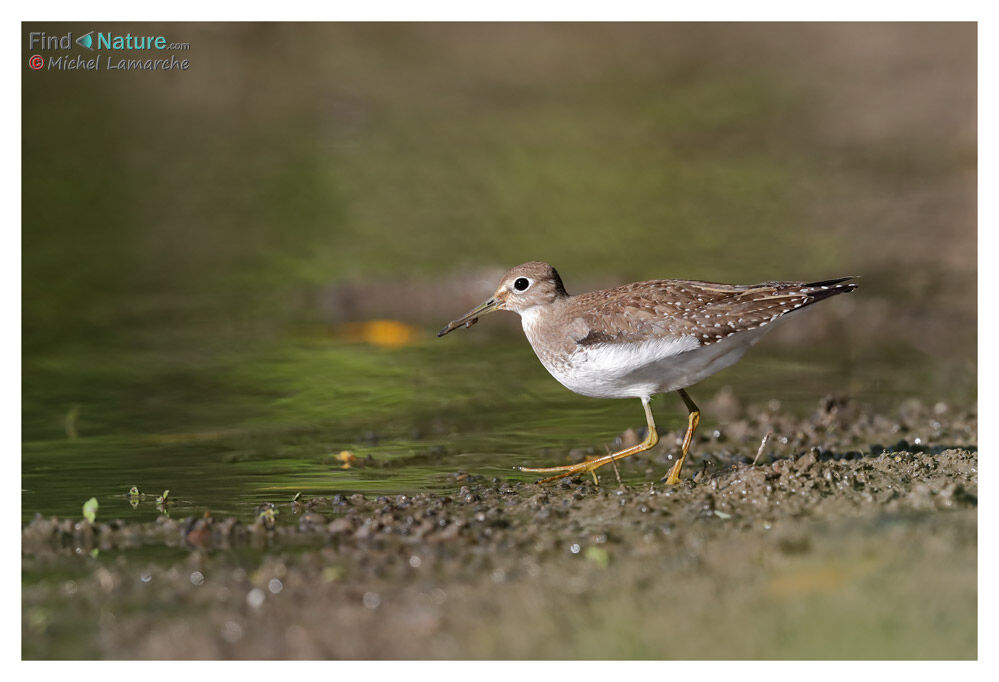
point(521, 284)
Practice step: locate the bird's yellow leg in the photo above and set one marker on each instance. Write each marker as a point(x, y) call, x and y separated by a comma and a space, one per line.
point(693, 418)
point(568, 470)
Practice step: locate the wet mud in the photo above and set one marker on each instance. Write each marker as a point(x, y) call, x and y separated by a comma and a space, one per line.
point(852, 536)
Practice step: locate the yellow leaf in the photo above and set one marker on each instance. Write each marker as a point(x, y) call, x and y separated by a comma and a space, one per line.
point(381, 333)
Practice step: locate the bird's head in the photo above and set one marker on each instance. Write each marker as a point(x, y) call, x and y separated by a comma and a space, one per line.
point(520, 289)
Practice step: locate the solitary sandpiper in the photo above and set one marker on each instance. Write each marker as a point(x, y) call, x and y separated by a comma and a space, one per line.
point(641, 339)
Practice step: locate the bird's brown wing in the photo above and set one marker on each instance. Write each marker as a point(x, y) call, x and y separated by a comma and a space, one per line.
point(705, 310)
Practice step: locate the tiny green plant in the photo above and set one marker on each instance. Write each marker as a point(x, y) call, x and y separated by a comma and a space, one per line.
point(90, 509)
point(163, 502)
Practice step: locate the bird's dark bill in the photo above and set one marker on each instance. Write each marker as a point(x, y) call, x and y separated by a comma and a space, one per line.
point(471, 317)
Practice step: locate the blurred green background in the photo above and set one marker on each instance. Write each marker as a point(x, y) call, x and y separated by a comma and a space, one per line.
point(195, 242)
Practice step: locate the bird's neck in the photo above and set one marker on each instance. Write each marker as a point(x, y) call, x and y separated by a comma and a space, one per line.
point(537, 319)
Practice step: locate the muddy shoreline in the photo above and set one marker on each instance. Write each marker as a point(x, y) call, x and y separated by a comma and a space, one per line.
point(827, 552)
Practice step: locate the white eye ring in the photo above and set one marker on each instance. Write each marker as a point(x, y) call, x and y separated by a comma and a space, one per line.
point(521, 284)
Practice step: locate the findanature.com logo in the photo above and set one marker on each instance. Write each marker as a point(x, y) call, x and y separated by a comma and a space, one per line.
point(99, 41)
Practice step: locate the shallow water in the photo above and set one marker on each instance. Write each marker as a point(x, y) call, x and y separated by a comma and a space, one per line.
point(227, 433)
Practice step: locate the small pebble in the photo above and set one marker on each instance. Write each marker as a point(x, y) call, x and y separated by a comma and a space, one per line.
point(371, 600)
point(255, 598)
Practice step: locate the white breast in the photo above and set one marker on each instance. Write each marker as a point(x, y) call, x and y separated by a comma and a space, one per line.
point(640, 370)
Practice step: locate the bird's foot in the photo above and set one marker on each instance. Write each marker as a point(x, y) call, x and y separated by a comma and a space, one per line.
point(673, 478)
point(564, 471)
